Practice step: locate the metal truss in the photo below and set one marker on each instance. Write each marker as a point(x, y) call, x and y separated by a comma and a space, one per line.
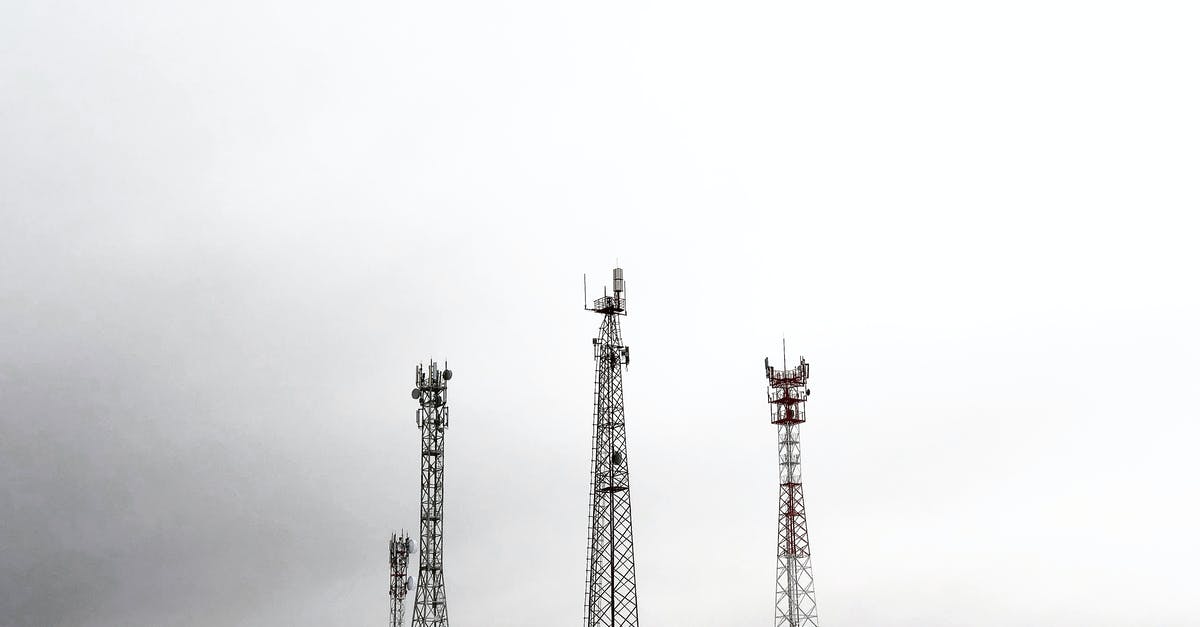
point(399, 550)
point(433, 417)
point(795, 599)
point(611, 596)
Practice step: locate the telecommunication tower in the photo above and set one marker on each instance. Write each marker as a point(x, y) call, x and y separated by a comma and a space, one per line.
point(433, 417)
point(611, 596)
point(795, 600)
point(400, 549)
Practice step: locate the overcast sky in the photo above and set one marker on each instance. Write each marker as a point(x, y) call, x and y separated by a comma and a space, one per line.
point(230, 230)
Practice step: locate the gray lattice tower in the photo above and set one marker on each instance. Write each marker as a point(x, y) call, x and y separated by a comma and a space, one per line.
point(795, 600)
point(611, 596)
point(399, 550)
point(433, 417)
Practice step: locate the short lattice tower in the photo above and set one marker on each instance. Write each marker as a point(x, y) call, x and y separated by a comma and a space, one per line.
point(433, 417)
point(399, 550)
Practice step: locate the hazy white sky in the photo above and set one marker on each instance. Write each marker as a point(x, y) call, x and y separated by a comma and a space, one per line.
point(230, 230)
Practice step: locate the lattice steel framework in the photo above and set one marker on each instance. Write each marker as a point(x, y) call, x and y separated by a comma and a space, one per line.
point(795, 599)
point(433, 417)
point(400, 548)
point(611, 595)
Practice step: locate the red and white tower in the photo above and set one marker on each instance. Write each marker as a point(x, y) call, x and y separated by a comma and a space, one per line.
point(795, 600)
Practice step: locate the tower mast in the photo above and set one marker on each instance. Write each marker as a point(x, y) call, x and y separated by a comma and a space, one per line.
point(401, 582)
point(611, 597)
point(433, 417)
point(795, 600)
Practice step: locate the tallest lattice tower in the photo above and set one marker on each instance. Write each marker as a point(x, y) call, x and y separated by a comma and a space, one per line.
point(611, 599)
point(795, 600)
